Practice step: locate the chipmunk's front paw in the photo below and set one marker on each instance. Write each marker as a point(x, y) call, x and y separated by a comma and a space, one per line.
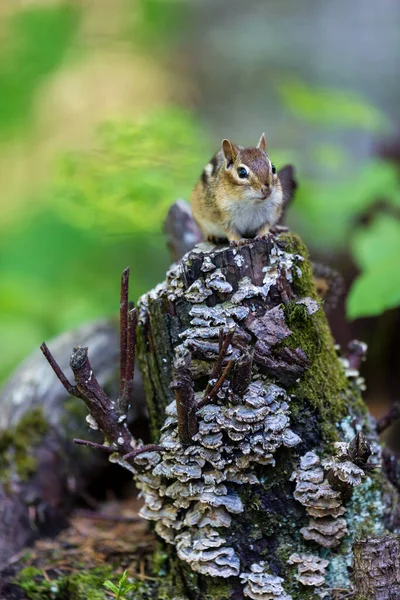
point(265, 237)
point(279, 229)
point(238, 243)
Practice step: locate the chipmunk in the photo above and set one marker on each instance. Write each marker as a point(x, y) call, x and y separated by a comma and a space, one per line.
point(239, 194)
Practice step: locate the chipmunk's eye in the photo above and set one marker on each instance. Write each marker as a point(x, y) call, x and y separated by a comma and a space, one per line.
point(242, 172)
point(273, 169)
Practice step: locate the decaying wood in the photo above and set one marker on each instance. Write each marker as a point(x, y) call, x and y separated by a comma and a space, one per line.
point(41, 502)
point(377, 567)
point(106, 415)
point(256, 290)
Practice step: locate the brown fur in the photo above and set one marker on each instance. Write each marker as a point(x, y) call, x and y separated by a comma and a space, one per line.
point(227, 206)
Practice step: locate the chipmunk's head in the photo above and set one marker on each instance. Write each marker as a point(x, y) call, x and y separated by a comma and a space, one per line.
point(251, 169)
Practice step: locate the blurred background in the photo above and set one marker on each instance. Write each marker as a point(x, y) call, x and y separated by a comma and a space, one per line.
point(110, 109)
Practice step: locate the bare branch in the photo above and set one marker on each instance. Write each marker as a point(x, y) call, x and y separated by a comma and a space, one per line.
point(389, 418)
point(130, 363)
point(223, 344)
point(149, 448)
point(71, 389)
point(94, 445)
point(216, 387)
point(99, 404)
point(185, 398)
point(123, 327)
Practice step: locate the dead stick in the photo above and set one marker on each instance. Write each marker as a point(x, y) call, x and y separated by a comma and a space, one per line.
point(99, 404)
point(71, 389)
point(149, 448)
point(130, 362)
point(123, 327)
point(387, 420)
point(94, 445)
point(183, 387)
point(207, 398)
point(223, 348)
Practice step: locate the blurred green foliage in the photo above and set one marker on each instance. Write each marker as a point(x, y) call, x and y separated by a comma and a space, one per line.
point(330, 205)
point(136, 171)
point(36, 43)
point(60, 266)
point(331, 107)
point(376, 249)
point(159, 23)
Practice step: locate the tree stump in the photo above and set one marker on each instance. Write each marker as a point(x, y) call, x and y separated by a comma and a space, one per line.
point(263, 480)
point(270, 463)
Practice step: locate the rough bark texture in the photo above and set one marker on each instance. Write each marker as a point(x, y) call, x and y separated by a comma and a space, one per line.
point(377, 567)
point(280, 527)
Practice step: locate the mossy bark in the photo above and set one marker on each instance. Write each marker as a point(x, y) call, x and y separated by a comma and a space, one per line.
point(325, 405)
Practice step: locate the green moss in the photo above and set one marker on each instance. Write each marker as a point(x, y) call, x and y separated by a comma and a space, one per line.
point(219, 589)
point(36, 587)
point(324, 386)
point(87, 584)
point(16, 445)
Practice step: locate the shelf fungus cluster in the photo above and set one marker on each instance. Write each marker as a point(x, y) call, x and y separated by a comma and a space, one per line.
point(261, 585)
point(323, 488)
point(310, 569)
point(213, 440)
point(191, 490)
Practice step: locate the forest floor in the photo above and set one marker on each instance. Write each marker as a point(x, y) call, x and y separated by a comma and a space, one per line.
point(98, 545)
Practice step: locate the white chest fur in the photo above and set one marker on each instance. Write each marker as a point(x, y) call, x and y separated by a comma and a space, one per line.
point(249, 216)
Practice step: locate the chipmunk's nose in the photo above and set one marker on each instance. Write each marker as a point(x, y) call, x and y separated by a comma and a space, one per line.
point(266, 190)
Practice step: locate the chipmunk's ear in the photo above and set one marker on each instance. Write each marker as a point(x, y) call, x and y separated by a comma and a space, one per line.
point(262, 143)
point(230, 151)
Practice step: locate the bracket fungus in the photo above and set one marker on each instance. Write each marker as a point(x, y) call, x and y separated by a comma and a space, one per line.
point(261, 585)
point(191, 491)
point(324, 489)
point(322, 503)
point(310, 568)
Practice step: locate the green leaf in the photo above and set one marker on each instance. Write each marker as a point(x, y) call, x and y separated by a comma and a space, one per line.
point(136, 173)
point(327, 211)
point(374, 245)
point(377, 180)
point(110, 586)
point(331, 107)
point(376, 249)
point(373, 292)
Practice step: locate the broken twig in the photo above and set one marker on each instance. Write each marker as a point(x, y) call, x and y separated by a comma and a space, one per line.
point(389, 418)
point(123, 325)
point(185, 399)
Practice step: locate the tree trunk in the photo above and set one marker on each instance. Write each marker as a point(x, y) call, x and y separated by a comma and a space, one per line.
point(267, 498)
